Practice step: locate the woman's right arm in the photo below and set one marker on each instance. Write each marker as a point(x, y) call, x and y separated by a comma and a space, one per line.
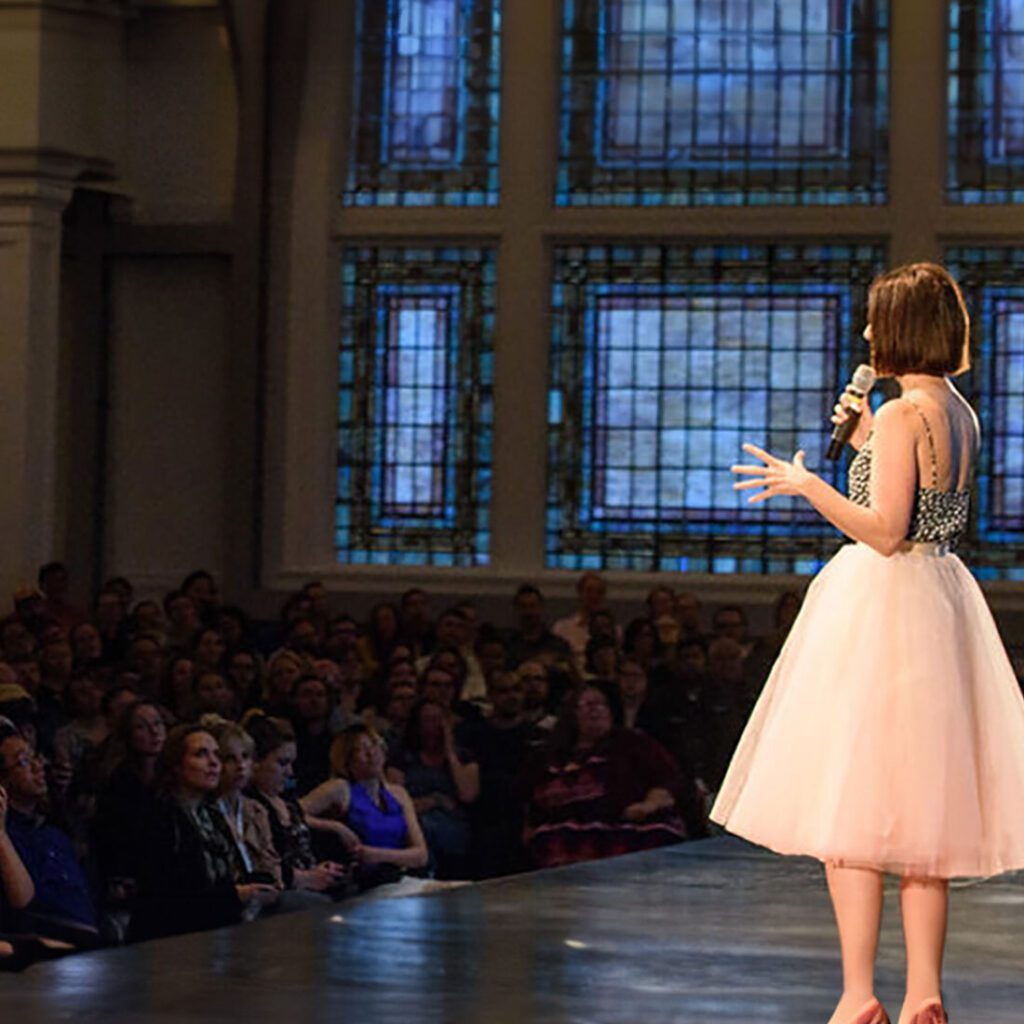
point(330, 796)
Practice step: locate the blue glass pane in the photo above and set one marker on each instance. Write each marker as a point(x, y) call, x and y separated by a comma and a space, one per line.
point(723, 102)
point(415, 407)
point(986, 101)
point(425, 77)
point(665, 360)
point(427, 102)
point(993, 282)
point(691, 81)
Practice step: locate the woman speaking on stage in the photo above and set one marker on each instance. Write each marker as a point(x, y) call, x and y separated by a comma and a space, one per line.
point(889, 737)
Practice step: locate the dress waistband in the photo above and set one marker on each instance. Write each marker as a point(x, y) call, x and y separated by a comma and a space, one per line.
point(920, 547)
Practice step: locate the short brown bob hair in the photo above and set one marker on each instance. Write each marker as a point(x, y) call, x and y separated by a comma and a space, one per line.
point(919, 322)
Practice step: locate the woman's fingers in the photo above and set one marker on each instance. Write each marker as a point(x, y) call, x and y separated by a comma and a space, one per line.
point(759, 453)
point(748, 470)
point(762, 496)
point(747, 485)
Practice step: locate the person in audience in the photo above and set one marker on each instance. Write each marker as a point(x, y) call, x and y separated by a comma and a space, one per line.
point(126, 787)
point(200, 587)
point(245, 673)
point(30, 609)
point(537, 704)
point(660, 601)
point(179, 687)
point(500, 745)
point(213, 695)
point(490, 652)
point(601, 657)
point(380, 813)
point(319, 607)
point(631, 680)
point(532, 638)
point(284, 671)
point(235, 628)
point(311, 701)
point(17, 641)
point(247, 819)
point(443, 782)
point(272, 776)
point(86, 645)
point(54, 582)
point(147, 619)
point(17, 890)
point(400, 700)
point(81, 739)
point(122, 589)
point(382, 634)
point(189, 863)
point(59, 903)
point(110, 617)
point(689, 613)
point(787, 607)
point(600, 789)
point(591, 595)
point(416, 625)
point(182, 620)
point(340, 642)
point(145, 659)
point(56, 664)
point(642, 643)
point(344, 691)
point(453, 631)
point(209, 650)
point(302, 638)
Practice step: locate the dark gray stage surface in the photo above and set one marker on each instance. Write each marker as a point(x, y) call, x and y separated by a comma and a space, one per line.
point(712, 931)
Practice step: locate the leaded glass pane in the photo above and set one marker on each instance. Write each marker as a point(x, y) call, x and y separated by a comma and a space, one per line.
point(427, 90)
point(665, 360)
point(986, 101)
point(723, 102)
point(415, 407)
point(993, 282)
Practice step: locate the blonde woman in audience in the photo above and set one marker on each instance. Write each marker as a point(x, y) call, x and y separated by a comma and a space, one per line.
point(379, 812)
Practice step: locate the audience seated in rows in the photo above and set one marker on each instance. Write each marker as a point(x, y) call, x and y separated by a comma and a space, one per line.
point(189, 766)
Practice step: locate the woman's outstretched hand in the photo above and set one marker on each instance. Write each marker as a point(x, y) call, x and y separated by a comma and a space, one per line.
point(775, 477)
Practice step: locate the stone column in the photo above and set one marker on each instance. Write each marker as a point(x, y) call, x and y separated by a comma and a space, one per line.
point(30, 231)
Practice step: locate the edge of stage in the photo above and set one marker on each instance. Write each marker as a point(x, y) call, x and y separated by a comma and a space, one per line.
point(710, 931)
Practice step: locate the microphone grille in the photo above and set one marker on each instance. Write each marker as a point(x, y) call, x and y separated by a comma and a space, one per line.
point(864, 378)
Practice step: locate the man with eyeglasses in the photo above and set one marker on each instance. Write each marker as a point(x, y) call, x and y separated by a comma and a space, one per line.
point(59, 904)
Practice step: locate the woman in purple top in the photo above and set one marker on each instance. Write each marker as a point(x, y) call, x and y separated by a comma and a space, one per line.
point(381, 813)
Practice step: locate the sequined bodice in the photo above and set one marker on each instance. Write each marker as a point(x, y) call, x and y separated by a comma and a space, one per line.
point(938, 516)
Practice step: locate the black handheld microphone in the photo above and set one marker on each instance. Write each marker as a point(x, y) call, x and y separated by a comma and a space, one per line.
point(856, 391)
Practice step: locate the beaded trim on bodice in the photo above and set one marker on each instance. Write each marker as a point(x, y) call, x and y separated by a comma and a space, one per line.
point(939, 517)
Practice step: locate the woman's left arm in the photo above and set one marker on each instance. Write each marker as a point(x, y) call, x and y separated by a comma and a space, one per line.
point(883, 524)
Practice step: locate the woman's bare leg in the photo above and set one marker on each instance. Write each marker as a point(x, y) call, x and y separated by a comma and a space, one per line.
point(924, 903)
point(857, 900)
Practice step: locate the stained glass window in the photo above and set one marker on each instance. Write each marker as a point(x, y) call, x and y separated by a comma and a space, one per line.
point(427, 87)
point(986, 101)
point(723, 102)
point(665, 360)
point(415, 407)
point(993, 282)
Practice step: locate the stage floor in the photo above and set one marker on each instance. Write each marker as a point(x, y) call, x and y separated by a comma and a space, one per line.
point(712, 931)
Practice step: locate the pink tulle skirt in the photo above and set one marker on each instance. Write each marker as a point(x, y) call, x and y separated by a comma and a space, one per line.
point(890, 732)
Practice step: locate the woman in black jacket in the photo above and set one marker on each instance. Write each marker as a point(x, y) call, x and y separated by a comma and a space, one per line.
point(189, 867)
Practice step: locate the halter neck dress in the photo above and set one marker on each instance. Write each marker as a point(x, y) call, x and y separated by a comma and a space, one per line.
point(890, 731)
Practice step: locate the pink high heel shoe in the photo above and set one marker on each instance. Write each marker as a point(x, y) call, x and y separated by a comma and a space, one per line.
point(930, 1012)
point(873, 1013)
